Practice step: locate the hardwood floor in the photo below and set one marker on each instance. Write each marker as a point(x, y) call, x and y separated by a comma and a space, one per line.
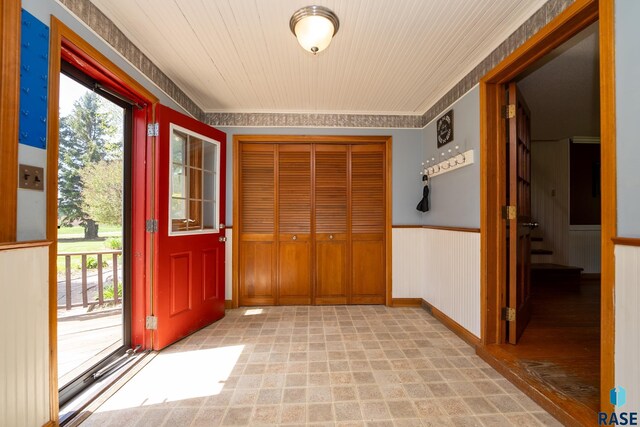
point(558, 355)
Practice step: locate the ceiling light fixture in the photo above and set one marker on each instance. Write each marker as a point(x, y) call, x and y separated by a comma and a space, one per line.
point(314, 27)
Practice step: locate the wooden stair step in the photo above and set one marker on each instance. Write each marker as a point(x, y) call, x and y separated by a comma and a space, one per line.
point(567, 275)
point(541, 252)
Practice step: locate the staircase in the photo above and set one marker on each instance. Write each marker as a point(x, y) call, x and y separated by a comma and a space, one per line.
point(549, 273)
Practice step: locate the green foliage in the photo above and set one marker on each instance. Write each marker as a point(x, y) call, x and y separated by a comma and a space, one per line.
point(92, 262)
point(114, 243)
point(87, 136)
point(107, 292)
point(103, 191)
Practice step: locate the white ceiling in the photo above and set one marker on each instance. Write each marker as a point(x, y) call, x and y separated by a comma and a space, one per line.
point(389, 56)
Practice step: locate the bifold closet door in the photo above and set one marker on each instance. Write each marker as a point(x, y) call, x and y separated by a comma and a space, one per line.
point(257, 248)
point(331, 224)
point(294, 195)
point(368, 212)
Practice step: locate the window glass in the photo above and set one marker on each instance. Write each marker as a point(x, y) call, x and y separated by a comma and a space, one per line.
point(194, 183)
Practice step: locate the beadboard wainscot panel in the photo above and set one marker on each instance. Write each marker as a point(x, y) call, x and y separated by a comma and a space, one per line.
point(627, 301)
point(451, 275)
point(228, 266)
point(24, 324)
point(408, 262)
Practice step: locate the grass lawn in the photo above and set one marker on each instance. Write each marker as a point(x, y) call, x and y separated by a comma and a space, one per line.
point(104, 230)
point(80, 246)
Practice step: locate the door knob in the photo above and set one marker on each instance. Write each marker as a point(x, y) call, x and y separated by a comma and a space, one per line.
point(330, 236)
point(295, 237)
point(222, 239)
point(531, 225)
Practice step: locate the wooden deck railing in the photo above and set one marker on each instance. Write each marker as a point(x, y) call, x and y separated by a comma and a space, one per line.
point(85, 298)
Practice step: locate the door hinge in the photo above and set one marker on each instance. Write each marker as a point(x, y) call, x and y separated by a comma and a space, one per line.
point(508, 111)
point(152, 129)
point(509, 314)
point(151, 226)
point(509, 212)
point(151, 323)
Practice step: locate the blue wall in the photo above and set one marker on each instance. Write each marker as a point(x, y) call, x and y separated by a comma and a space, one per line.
point(627, 36)
point(455, 195)
point(406, 156)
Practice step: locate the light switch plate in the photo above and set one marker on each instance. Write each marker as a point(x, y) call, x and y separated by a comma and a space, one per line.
point(31, 177)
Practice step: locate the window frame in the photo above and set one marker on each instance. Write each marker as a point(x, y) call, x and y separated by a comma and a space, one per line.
point(216, 183)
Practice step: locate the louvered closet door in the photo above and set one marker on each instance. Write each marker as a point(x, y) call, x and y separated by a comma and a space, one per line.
point(331, 224)
point(367, 224)
point(257, 248)
point(294, 224)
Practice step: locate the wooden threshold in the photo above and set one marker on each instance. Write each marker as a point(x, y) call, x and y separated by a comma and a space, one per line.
point(568, 411)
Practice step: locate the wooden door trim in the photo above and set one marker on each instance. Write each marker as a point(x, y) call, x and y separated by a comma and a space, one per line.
point(310, 139)
point(626, 241)
point(575, 18)
point(60, 34)
point(9, 117)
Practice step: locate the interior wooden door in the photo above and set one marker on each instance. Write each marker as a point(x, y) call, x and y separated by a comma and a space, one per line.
point(257, 253)
point(519, 227)
point(332, 224)
point(294, 194)
point(189, 252)
point(368, 210)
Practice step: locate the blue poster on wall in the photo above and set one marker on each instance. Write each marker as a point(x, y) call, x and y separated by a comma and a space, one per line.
point(34, 70)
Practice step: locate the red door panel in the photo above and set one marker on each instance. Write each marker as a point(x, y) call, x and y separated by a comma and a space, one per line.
point(188, 267)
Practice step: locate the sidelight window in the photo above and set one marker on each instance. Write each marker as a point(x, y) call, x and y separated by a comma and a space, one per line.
point(195, 183)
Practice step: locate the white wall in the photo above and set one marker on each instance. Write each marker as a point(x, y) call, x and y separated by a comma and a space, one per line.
point(24, 334)
point(443, 268)
point(627, 301)
point(550, 208)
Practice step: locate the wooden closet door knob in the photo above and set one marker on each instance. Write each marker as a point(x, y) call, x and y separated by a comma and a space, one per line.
point(295, 237)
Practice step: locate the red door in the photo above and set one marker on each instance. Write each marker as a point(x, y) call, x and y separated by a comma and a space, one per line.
point(189, 248)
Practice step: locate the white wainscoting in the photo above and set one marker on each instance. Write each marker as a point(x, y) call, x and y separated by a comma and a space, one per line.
point(228, 259)
point(443, 268)
point(408, 263)
point(24, 334)
point(627, 303)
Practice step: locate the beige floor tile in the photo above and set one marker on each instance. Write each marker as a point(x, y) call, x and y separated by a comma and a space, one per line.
point(332, 365)
point(320, 412)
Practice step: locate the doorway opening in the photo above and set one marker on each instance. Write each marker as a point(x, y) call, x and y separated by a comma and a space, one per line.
point(94, 228)
point(74, 60)
point(554, 331)
point(534, 210)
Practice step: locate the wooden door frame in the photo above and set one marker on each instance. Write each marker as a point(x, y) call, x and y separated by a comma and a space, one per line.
point(574, 19)
point(310, 139)
point(10, 24)
point(61, 35)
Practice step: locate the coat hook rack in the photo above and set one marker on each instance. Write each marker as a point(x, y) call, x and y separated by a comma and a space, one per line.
point(448, 162)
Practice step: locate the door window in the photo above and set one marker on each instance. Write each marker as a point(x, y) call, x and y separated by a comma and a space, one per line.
point(195, 183)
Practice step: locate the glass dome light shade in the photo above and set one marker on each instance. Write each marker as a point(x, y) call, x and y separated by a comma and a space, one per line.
point(314, 27)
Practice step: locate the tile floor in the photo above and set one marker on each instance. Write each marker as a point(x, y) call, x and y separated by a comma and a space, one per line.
point(344, 365)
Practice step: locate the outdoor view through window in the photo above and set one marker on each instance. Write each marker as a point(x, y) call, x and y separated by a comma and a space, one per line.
point(90, 229)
